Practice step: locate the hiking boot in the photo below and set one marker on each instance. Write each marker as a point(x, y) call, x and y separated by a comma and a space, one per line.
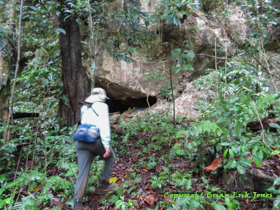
point(78, 205)
point(104, 188)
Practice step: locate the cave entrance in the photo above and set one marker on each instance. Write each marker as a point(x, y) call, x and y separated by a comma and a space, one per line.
point(123, 98)
point(121, 106)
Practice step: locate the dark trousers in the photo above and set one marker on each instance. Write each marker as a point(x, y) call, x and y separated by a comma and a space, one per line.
point(86, 154)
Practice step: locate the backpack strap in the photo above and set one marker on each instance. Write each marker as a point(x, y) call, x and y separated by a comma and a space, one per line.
point(93, 110)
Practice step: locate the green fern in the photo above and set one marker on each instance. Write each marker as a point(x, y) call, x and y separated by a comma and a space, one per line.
point(27, 203)
point(207, 127)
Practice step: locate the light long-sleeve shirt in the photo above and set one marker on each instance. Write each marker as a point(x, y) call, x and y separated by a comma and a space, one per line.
point(101, 121)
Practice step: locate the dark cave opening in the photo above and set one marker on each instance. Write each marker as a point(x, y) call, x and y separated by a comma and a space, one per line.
point(123, 105)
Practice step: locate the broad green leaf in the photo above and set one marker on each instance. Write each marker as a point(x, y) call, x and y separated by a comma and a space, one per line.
point(219, 147)
point(231, 164)
point(182, 12)
point(176, 20)
point(225, 152)
point(181, 60)
point(276, 202)
point(188, 67)
point(234, 149)
point(231, 153)
point(244, 163)
point(244, 149)
point(257, 161)
point(167, 13)
point(274, 125)
point(8, 200)
point(276, 181)
point(260, 154)
point(225, 143)
point(265, 151)
point(218, 206)
point(229, 203)
point(169, 19)
point(245, 154)
point(238, 128)
point(1, 203)
point(240, 169)
point(177, 69)
point(175, 53)
point(255, 149)
point(191, 54)
point(273, 190)
point(250, 160)
point(60, 30)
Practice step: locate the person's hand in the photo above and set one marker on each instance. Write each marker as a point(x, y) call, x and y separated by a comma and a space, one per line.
point(107, 152)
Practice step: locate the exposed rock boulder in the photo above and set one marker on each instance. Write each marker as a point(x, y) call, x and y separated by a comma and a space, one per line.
point(186, 105)
point(254, 180)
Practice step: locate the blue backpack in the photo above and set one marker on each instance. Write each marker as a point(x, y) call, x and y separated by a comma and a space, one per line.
point(87, 133)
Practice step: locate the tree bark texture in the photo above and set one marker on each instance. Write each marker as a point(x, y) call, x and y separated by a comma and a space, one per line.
point(8, 11)
point(75, 80)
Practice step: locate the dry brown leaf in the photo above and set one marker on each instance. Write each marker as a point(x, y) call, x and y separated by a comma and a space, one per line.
point(36, 189)
point(214, 165)
point(150, 200)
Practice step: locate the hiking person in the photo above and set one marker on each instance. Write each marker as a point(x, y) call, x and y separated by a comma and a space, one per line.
point(98, 116)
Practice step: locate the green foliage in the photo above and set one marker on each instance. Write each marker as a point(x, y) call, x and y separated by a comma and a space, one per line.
point(276, 191)
point(38, 180)
point(184, 59)
point(227, 132)
point(157, 182)
point(122, 204)
point(128, 27)
point(175, 7)
point(182, 181)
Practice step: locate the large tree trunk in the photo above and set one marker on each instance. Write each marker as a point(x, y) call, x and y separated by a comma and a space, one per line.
point(75, 80)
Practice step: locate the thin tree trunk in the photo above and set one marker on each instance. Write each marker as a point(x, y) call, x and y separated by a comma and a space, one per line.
point(91, 43)
point(75, 81)
point(259, 42)
point(6, 135)
point(5, 71)
point(172, 92)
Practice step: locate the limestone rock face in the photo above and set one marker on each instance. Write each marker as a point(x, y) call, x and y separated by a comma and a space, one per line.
point(274, 60)
point(186, 105)
point(143, 76)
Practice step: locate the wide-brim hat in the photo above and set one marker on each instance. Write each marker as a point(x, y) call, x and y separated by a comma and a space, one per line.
point(97, 94)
